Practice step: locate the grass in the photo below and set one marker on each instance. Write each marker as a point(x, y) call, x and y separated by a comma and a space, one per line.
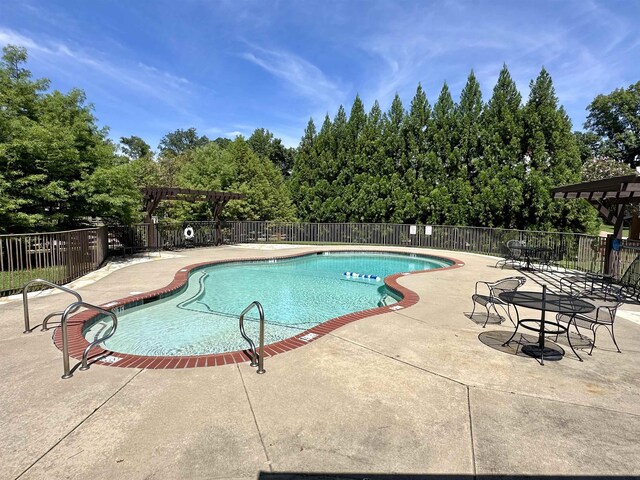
point(609, 229)
point(12, 281)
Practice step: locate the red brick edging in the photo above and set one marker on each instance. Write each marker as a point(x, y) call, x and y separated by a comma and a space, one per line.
point(77, 342)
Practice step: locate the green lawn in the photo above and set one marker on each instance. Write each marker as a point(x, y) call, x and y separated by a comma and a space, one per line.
point(11, 281)
point(609, 229)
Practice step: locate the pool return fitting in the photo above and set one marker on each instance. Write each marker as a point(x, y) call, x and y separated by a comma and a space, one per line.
point(74, 307)
point(257, 360)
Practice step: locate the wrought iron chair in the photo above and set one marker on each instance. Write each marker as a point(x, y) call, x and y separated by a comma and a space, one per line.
point(606, 300)
point(628, 286)
point(512, 254)
point(492, 299)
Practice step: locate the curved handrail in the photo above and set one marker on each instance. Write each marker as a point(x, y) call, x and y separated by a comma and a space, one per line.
point(257, 360)
point(65, 341)
point(25, 301)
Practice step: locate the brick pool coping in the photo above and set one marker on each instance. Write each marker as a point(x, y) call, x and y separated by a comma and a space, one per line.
point(77, 342)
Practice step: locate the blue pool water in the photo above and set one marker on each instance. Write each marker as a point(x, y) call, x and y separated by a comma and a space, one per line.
point(296, 294)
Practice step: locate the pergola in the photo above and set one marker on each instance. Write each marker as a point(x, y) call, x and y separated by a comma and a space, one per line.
point(609, 197)
point(154, 195)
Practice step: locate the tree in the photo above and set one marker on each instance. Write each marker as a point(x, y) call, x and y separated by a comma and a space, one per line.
point(615, 118)
point(263, 143)
point(552, 158)
point(236, 168)
point(135, 147)
point(499, 196)
point(50, 146)
point(180, 141)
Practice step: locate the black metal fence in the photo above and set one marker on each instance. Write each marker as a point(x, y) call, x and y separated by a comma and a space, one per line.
point(63, 256)
point(573, 251)
point(59, 257)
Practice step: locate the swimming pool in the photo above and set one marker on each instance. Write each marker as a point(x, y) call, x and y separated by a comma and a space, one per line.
point(303, 297)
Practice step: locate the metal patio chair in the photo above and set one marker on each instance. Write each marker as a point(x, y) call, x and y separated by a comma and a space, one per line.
point(512, 254)
point(606, 301)
point(491, 299)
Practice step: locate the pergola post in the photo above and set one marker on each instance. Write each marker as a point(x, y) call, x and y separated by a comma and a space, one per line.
point(610, 197)
point(154, 195)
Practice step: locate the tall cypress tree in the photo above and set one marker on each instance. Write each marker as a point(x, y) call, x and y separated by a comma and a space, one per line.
point(499, 198)
point(552, 158)
point(441, 165)
point(304, 173)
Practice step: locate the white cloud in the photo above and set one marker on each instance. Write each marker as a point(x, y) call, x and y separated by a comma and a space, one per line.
point(305, 78)
point(98, 68)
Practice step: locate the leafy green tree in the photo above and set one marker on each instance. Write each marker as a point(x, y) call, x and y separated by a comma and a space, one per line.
point(417, 175)
point(50, 146)
point(180, 141)
point(265, 145)
point(303, 173)
point(236, 168)
point(441, 164)
point(600, 168)
point(135, 147)
point(552, 158)
point(615, 118)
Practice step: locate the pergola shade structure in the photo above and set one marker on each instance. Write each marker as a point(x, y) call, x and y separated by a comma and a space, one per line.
point(154, 195)
point(609, 197)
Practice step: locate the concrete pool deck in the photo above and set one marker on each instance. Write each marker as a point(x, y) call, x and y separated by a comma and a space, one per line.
point(422, 390)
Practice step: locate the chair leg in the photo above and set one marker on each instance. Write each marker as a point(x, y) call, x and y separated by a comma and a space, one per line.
point(594, 339)
point(569, 340)
point(486, 320)
point(613, 337)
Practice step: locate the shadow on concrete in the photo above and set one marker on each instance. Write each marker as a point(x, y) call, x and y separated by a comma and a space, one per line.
point(480, 317)
point(495, 339)
point(384, 476)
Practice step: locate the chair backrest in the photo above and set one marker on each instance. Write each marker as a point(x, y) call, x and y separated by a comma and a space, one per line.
point(606, 301)
point(513, 245)
point(631, 276)
point(508, 284)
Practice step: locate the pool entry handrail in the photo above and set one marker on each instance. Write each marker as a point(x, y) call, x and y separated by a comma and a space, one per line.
point(65, 341)
point(25, 301)
point(257, 360)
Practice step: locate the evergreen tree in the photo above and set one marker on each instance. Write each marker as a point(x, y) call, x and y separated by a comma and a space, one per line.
point(441, 165)
point(499, 196)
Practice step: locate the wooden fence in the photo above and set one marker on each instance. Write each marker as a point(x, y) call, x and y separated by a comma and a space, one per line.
point(58, 257)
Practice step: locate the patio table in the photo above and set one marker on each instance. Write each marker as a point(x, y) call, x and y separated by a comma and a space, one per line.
point(545, 302)
point(532, 253)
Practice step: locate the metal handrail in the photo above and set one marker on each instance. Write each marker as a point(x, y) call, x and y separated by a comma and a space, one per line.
point(25, 302)
point(65, 341)
point(256, 360)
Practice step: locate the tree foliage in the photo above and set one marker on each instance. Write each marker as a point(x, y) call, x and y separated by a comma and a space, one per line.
point(50, 151)
point(465, 163)
point(615, 120)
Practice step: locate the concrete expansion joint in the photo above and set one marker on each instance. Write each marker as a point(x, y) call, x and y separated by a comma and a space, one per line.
point(79, 424)
point(549, 399)
point(473, 448)
point(255, 419)
point(396, 359)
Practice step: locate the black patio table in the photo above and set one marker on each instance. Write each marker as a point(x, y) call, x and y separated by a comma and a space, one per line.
point(545, 302)
point(532, 253)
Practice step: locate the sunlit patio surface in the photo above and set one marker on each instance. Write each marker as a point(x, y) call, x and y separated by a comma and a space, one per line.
point(421, 390)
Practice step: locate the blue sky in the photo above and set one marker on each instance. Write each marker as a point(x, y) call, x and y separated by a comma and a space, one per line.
point(228, 67)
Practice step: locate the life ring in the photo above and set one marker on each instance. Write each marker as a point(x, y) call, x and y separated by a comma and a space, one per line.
point(189, 233)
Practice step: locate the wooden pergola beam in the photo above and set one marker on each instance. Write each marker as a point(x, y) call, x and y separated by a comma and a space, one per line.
point(154, 195)
point(609, 196)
